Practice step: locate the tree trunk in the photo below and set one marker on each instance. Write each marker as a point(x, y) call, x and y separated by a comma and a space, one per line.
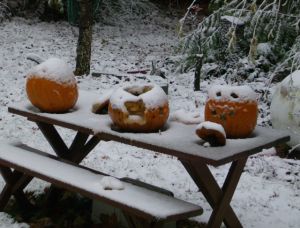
point(197, 76)
point(83, 51)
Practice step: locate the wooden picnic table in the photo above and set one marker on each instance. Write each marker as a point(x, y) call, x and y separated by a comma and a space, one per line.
point(176, 139)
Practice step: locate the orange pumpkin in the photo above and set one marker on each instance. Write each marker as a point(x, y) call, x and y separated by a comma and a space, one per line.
point(51, 86)
point(139, 108)
point(235, 108)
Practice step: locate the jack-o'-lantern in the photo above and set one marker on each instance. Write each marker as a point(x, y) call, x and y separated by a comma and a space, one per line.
point(51, 86)
point(140, 108)
point(234, 107)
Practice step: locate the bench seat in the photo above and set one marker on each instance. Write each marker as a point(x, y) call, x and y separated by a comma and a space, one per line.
point(135, 200)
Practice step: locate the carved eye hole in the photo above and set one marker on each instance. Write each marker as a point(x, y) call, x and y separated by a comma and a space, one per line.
point(219, 94)
point(213, 112)
point(234, 95)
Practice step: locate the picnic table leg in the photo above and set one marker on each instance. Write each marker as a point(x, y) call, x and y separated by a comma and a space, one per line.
point(218, 198)
point(78, 150)
point(54, 139)
point(228, 189)
point(15, 183)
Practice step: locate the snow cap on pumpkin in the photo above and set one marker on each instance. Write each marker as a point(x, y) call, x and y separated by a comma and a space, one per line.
point(53, 69)
point(152, 95)
point(232, 93)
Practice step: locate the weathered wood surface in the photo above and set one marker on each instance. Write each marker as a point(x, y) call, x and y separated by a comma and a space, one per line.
point(138, 201)
point(176, 139)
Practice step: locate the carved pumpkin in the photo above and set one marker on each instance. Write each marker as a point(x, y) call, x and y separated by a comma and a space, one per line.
point(51, 86)
point(234, 107)
point(139, 108)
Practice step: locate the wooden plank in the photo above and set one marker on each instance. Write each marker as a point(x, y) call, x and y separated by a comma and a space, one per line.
point(82, 181)
point(177, 140)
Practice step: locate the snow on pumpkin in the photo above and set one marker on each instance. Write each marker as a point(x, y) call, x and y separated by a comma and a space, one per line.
point(139, 108)
point(51, 86)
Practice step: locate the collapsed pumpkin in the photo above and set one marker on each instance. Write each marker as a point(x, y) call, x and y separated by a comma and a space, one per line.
point(51, 86)
point(139, 108)
point(234, 107)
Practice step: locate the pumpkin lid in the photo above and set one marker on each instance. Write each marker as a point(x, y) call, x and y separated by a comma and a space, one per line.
point(212, 126)
point(53, 69)
point(232, 93)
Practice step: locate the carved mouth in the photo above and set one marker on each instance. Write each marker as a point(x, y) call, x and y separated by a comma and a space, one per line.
point(135, 107)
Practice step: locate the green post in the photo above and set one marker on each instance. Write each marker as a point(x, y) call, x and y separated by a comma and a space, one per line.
point(73, 10)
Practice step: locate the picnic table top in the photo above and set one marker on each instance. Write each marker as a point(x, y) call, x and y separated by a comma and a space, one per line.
point(176, 139)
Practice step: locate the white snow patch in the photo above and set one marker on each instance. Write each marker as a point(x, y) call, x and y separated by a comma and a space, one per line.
point(233, 20)
point(111, 183)
point(264, 49)
point(185, 117)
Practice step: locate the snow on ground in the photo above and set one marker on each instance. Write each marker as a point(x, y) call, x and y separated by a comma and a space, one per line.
point(269, 191)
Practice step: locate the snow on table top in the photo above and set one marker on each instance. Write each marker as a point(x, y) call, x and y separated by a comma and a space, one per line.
point(178, 139)
point(156, 204)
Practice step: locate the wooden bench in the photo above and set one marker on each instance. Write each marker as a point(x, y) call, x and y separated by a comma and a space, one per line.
point(141, 206)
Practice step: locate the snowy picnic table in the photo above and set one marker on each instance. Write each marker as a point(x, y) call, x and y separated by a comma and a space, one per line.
point(176, 139)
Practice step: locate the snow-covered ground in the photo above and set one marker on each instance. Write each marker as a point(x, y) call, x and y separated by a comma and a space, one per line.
point(268, 193)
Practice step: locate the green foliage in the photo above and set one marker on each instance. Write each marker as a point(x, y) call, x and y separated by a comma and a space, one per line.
point(5, 12)
point(68, 211)
point(272, 22)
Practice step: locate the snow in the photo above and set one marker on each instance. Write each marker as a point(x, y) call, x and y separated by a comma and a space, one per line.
point(268, 192)
point(53, 69)
point(185, 117)
point(232, 93)
point(264, 49)
point(97, 184)
point(111, 183)
point(233, 20)
point(212, 126)
point(153, 98)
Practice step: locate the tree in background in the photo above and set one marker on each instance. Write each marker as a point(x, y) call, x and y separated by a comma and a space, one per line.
point(83, 50)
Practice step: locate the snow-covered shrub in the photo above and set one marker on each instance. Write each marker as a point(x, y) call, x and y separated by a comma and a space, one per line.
point(5, 12)
point(241, 33)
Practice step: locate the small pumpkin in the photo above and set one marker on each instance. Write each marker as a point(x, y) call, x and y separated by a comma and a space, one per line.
point(51, 86)
point(211, 132)
point(234, 107)
point(139, 108)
